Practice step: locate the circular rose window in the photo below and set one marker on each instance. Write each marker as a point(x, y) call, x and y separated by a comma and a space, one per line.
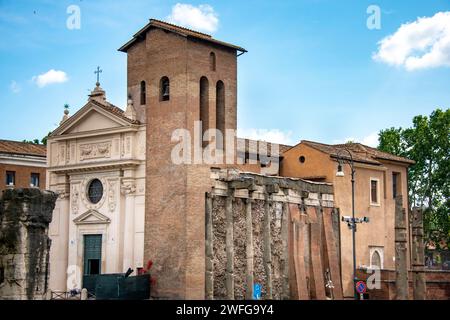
point(95, 191)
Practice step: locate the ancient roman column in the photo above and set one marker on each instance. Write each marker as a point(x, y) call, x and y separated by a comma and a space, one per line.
point(249, 247)
point(267, 245)
point(401, 270)
point(418, 259)
point(209, 255)
point(285, 257)
point(229, 242)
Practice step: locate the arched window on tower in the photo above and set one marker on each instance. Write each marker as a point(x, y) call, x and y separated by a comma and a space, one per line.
point(204, 105)
point(220, 109)
point(212, 61)
point(164, 89)
point(143, 93)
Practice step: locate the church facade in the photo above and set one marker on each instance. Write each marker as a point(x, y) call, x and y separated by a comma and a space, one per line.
point(96, 163)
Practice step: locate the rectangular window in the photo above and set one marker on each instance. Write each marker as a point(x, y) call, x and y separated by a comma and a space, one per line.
point(34, 181)
point(10, 178)
point(395, 184)
point(374, 191)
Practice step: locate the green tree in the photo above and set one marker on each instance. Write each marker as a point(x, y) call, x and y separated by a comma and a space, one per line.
point(44, 139)
point(427, 142)
point(37, 141)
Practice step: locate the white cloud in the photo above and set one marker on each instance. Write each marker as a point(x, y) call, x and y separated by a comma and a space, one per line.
point(370, 140)
point(202, 18)
point(14, 87)
point(424, 43)
point(50, 77)
point(272, 135)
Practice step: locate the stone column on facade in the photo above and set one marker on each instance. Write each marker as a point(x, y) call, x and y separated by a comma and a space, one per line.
point(128, 190)
point(59, 249)
point(401, 238)
point(64, 216)
point(74, 255)
point(418, 258)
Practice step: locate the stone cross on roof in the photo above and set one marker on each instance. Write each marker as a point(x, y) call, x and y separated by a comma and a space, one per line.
point(97, 72)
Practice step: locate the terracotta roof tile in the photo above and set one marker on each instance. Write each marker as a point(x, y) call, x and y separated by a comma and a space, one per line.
point(359, 152)
point(174, 27)
point(114, 110)
point(177, 29)
point(387, 156)
point(22, 148)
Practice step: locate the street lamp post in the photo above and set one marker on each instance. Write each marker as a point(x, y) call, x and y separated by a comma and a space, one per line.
point(351, 222)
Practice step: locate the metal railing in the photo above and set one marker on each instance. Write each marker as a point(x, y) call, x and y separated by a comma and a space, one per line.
point(65, 295)
point(70, 295)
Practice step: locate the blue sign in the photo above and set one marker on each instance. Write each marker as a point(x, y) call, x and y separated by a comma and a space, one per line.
point(361, 287)
point(256, 291)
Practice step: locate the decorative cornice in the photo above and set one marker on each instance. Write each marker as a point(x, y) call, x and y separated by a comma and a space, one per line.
point(95, 166)
point(96, 133)
point(23, 160)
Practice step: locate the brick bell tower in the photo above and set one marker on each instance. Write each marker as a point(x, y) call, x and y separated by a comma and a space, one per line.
point(176, 77)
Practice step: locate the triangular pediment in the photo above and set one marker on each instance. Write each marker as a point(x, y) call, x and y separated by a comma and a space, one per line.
point(92, 217)
point(91, 117)
point(93, 120)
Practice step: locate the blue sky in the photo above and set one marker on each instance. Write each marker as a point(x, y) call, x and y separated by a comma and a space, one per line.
point(309, 73)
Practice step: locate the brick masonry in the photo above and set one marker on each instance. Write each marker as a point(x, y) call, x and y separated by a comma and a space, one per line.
point(23, 175)
point(175, 193)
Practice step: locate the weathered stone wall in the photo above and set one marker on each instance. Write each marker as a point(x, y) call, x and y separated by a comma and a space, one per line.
point(249, 237)
point(25, 215)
